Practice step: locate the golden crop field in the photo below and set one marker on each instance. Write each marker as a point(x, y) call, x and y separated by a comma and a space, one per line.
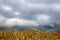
point(29, 35)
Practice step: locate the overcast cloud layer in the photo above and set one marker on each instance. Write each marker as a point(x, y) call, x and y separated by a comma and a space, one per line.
point(29, 12)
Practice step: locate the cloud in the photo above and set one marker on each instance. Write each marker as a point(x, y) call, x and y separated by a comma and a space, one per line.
point(6, 8)
point(43, 19)
point(28, 8)
point(2, 20)
point(20, 22)
point(9, 22)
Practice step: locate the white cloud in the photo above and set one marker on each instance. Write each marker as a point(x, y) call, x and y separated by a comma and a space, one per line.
point(2, 20)
point(22, 1)
point(17, 14)
point(9, 22)
point(43, 19)
point(55, 6)
point(7, 8)
point(20, 22)
point(31, 7)
point(41, 6)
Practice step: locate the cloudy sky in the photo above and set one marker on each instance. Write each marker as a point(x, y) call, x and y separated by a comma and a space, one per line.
point(29, 12)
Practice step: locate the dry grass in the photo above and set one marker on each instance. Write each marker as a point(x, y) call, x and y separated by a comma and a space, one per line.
point(29, 35)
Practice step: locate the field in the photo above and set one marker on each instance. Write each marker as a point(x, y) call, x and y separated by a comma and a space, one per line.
point(29, 35)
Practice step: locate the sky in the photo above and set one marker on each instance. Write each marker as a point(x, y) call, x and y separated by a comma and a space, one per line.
point(29, 12)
